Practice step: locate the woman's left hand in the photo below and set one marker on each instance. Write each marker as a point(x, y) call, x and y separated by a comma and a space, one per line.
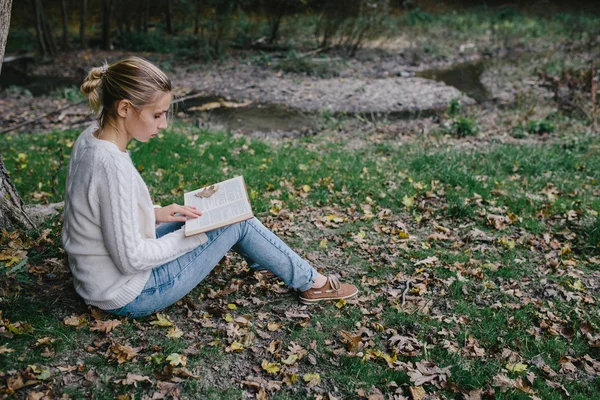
point(167, 214)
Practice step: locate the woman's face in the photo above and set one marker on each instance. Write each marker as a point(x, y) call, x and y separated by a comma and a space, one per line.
point(145, 123)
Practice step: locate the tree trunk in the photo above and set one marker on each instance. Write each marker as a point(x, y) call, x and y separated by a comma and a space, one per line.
point(5, 7)
point(11, 205)
point(106, 19)
point(38, 28)
point(44, 32)
point(169, 16)
point(48, 36)
point(138, 17)
point(197, 17)
point(146, 5)
point(126, 17)
point(65, 33)
point(82, 24)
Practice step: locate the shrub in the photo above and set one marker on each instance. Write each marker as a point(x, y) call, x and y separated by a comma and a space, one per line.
point(462, 127)
point(417, 16)
point(518, 132)
point(540, 126)
point(453, 108)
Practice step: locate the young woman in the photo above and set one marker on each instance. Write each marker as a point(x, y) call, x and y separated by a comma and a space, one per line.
point(120, 261)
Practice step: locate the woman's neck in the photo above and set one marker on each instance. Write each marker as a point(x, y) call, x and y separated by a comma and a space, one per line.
point(112, 134)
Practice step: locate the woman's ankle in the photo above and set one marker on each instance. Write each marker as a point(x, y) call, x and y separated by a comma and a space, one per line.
point(320, 281)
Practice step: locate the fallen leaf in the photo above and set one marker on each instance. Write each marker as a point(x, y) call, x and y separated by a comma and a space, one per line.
point(271, 368)
point(75, 320)
point(516, 367)
point(273, 326)
point(417, 392)
point(311, 379)
point(174, 333)
point(176, 359)
point(104, 326)
point(162, 320)
point(133, 379)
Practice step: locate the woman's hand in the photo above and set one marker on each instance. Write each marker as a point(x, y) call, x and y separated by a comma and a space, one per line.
point(167, 214)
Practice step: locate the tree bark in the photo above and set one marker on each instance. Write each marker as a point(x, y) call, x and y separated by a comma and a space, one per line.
point(48, 36)
point(106, 19)
point(38, 28)
point(82, 24)
point(169, 16)
point(197, 17)
point(65, 30)
point(146, 5)
point(5, 7)
point(11, 205)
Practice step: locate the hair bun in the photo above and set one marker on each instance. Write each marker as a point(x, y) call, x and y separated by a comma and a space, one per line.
point(91, 87)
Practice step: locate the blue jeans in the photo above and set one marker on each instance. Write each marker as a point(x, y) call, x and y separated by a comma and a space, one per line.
point(259, 246)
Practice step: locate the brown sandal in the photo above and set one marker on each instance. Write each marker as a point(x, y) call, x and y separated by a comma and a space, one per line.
point(332, 290)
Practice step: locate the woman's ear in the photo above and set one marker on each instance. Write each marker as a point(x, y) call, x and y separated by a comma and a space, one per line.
point(123, 108)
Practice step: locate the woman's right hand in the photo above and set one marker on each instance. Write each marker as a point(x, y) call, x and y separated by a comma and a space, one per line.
point(167, 214)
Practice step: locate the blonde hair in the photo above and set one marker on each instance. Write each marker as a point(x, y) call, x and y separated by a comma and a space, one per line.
point(133, 78)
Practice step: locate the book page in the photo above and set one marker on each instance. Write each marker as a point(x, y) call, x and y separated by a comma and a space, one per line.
point(228, 203)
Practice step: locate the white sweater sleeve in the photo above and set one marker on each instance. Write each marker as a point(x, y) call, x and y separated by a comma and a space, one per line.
point(119, 213)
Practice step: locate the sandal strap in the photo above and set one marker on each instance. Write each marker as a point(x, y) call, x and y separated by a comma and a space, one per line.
point(334, 282)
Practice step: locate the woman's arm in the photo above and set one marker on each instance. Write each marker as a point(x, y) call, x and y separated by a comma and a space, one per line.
point(121, 225)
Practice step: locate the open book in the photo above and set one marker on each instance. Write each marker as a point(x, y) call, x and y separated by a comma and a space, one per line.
point(222, 204)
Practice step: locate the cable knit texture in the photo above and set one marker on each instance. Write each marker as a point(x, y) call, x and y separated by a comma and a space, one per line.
point(109, 225)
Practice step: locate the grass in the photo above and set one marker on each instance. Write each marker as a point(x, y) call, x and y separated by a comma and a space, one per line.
point(511, 232)
point(489, 306)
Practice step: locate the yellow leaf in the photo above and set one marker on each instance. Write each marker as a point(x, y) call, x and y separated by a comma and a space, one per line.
point(311, 379)
point(271, 368)
point(291, 359)
point(273, 326)
point(232, 306)
point(408, 201)
point(417, 392)
point(174, 333)
point(508, 243)
point(361, 234)
point(516, 367)
point(577, 285)
point(176, 359)
point(162, 320)
point(75, 320)
point(340, 303)
point(302, 167)
point(306, 188)
point(335, 218)
point(403, 235)
point(235, 346)
point(323, 243)
point(228, 317)
point(4, 349)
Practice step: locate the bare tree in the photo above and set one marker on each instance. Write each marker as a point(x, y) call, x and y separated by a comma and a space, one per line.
point(44, 32)
point(65, 30)
point(169, 16)
point(108, 7)
point(5, 6)
point(198, 8)
point(11, 205)
point(82, 24)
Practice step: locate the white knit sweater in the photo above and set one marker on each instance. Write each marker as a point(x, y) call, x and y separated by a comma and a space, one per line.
point(109, 225)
